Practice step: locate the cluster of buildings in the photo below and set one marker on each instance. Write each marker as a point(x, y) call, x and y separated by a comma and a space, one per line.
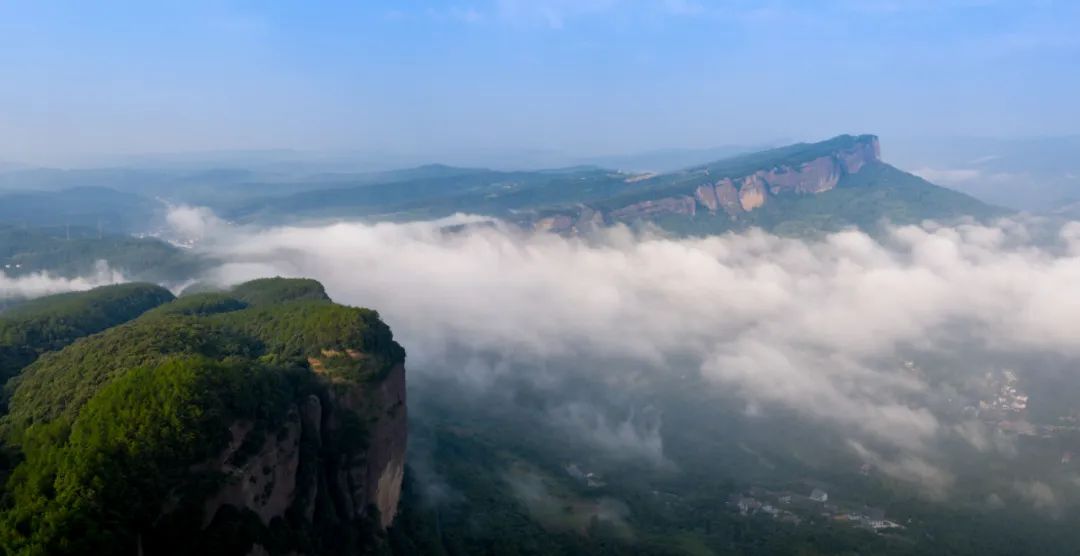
point(750, 505)
point(1008, 399)
point(1006, 409)
point(787, 507)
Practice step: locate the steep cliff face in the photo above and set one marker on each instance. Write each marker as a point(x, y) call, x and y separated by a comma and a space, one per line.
point(746, 193)
point(369, 479)
point(317, 458)
point(683, 204)
point(739, 191)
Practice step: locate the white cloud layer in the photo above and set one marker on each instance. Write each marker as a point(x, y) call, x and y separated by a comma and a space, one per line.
point(817, 327)
point(42, 283)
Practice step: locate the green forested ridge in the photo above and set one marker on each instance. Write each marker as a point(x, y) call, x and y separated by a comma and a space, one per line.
point(276, 290)
point(111, 429)
point(200, 304)
point(52, 322)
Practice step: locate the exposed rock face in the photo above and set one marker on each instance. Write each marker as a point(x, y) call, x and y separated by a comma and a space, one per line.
point(816, 176)
point(386, 453)
point(728, 196)
point(751, 193)
point(683, 204)
point(735, 195)
point(706, 195)
point(587, 220)
point(265, 482)
point(372, 477)
point(855, 158)
point(316, 458)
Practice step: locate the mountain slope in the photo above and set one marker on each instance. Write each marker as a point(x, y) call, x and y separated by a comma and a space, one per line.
point(52, 322)
point(798, 189)
point(267, 419)
point(793, 189)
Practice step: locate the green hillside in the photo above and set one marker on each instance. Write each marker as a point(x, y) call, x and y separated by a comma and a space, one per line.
point(115, 436)
point(52, 322)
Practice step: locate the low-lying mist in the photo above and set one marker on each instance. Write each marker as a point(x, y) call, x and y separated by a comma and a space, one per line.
point(37, 284)
point(839, 331)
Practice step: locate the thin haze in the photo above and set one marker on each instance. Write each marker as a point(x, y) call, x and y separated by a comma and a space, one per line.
point(584, 76)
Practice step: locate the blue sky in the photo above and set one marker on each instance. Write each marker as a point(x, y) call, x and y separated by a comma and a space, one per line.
point(587, 76)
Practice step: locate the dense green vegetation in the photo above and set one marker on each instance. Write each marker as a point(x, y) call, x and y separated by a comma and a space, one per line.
point(201, 304)
point(129, 452)
point(109, 436)
point(266, 291)
point(52, 322)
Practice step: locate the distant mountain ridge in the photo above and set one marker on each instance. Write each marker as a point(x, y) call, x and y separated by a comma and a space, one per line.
point(733, 186)
point(798, 189)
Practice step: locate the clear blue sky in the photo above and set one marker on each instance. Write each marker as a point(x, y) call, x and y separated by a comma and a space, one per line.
point(592, 76)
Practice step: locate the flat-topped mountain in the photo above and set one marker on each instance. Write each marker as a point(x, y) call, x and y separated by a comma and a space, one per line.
point(797, 189)
point(731, 187)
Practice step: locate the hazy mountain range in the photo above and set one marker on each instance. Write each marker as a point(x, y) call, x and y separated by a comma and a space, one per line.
point(822, 186)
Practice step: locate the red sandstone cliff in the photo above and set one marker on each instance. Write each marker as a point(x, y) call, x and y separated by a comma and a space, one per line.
point(732, 195)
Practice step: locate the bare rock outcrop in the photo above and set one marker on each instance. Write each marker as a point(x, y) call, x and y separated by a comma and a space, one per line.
point(744, 193)
point(683, 204)
point(343, 449)
point(727, 196)
point(751, 192)
point(816, 176)
point(263, 482)
point(807, 170)
point(706, 195)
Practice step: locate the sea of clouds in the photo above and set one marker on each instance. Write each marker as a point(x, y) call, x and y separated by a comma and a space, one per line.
point(811, 326)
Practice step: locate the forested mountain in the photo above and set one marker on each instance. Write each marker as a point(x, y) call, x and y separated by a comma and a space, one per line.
point(52, 322)
point(266, 418)
point(796, 189)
